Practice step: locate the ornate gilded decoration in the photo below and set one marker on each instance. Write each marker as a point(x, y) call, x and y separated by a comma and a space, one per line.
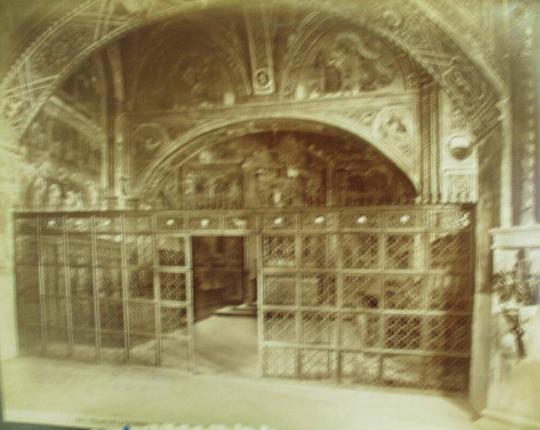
point(59, 51)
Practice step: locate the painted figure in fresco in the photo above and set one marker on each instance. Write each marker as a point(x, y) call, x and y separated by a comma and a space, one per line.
point(93, 195)
point(277, 197)
point(54, 196)
point(163, 201)
point(345, 63)
point(38, 139)
point(235, 193)
point(70, 200)
point(312, 191)
point(189, 184)
point(206, 156)
point(79, 200)
point(341, 70)
point(38, 188)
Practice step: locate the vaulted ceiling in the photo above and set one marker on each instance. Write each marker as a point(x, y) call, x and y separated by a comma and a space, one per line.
point(263, 47)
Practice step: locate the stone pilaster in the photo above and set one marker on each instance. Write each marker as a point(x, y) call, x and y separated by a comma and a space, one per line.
point(506, 166)
point(430, 137)
point(536, 58)
point(488, 208)
point(117, 167)
point(514, 382)
point(523, 60)
point(10, 175)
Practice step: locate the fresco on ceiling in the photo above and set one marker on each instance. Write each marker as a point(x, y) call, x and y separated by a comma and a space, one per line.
point(348, 63)
point(187, 75)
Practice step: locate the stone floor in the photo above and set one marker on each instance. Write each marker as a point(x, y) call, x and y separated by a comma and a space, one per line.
point(224, 390)
point(227, 345)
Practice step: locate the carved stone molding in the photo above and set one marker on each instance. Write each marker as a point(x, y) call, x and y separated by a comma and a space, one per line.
point(459, 187)
point(516, 237)
point(472, 23)
point(458, 154)
point(429, 125)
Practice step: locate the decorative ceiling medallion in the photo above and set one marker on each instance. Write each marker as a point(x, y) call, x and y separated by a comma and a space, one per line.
point(262, 77)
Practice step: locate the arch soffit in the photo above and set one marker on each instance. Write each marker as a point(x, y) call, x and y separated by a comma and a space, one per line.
point(60, 49)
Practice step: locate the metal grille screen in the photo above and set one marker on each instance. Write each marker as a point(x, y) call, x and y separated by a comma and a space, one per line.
point(374, 296)
point(379, 295)
point(113, 287)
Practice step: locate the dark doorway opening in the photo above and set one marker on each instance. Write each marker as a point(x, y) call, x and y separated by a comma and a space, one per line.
point(218, 274)
point(225, 321)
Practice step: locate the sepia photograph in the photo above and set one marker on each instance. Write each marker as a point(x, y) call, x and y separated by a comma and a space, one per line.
point(270, 214)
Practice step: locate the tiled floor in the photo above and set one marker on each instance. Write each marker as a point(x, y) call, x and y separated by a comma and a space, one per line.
point(224, 390)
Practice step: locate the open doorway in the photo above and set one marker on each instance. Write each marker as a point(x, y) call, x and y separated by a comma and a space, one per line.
point(225, 326)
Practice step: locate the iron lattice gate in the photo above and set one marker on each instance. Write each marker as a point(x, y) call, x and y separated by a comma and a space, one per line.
point(109, 286)
point(378, 295)
point(373, 296)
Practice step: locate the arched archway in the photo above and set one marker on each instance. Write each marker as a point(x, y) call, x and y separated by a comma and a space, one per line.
point(351, 157)
point(221, 130)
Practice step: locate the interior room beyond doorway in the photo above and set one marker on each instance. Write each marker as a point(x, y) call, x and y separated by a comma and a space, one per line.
point(225, 326)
